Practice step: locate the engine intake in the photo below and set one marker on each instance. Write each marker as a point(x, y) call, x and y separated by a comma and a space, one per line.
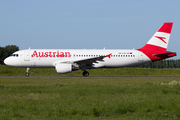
point(63, 68)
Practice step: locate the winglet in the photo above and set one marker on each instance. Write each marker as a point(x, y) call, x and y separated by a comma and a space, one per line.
point(109, 55)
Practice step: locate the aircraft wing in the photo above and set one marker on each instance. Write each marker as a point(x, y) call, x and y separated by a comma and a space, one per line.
point(86, 62)
point(90, 61)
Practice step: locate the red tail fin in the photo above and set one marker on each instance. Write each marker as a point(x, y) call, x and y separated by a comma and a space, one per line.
point(160, 39)
point(156, 47)
point(166, 28)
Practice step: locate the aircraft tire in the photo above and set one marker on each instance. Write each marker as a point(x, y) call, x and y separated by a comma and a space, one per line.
point(27, 74)
point(85, 73)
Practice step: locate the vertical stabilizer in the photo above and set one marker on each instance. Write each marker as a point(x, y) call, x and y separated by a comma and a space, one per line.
point(156, 47)
point(160, 39)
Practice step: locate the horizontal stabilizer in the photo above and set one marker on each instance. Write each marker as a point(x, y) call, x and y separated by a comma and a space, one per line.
point(165, 54)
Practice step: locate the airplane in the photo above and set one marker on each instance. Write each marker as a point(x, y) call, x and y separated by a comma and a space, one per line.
point(68, 60)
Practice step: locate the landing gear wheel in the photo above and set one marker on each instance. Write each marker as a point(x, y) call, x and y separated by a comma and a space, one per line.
point(85, 73)
point(27, 74)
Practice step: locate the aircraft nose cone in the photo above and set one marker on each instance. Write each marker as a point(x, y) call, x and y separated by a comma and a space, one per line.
point(7, 61)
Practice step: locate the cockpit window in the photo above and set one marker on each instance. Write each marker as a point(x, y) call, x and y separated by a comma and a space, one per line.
point(15, 55)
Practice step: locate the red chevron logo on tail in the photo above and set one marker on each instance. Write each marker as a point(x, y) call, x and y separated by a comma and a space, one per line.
point(161, 38)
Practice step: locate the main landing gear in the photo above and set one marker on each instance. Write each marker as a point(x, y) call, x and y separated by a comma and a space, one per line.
point(85, 73)
point(27, 72)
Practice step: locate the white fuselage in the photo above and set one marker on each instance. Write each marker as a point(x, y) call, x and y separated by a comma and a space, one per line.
point(49, 57)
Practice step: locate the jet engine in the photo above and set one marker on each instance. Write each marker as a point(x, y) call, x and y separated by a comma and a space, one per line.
point(63, 68)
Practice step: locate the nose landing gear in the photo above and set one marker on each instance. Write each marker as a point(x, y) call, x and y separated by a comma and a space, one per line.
point(85, 73)
point(27, 72)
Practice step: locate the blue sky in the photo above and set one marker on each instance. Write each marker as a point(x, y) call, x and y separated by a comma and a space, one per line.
point(90, 24)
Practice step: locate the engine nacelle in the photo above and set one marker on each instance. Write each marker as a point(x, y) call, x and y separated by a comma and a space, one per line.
point(63, 68)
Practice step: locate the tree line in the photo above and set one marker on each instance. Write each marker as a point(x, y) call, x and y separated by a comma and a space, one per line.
point(7, 51)
point(170, 63)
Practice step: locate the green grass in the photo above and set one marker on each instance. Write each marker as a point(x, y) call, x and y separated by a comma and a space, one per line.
point(14, 71)
point(89, 98)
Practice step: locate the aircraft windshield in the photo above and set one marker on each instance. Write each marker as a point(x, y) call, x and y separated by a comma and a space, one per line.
point(15, 55)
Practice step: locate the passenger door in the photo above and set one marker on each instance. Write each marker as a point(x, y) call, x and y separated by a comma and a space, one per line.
point(27, 55)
